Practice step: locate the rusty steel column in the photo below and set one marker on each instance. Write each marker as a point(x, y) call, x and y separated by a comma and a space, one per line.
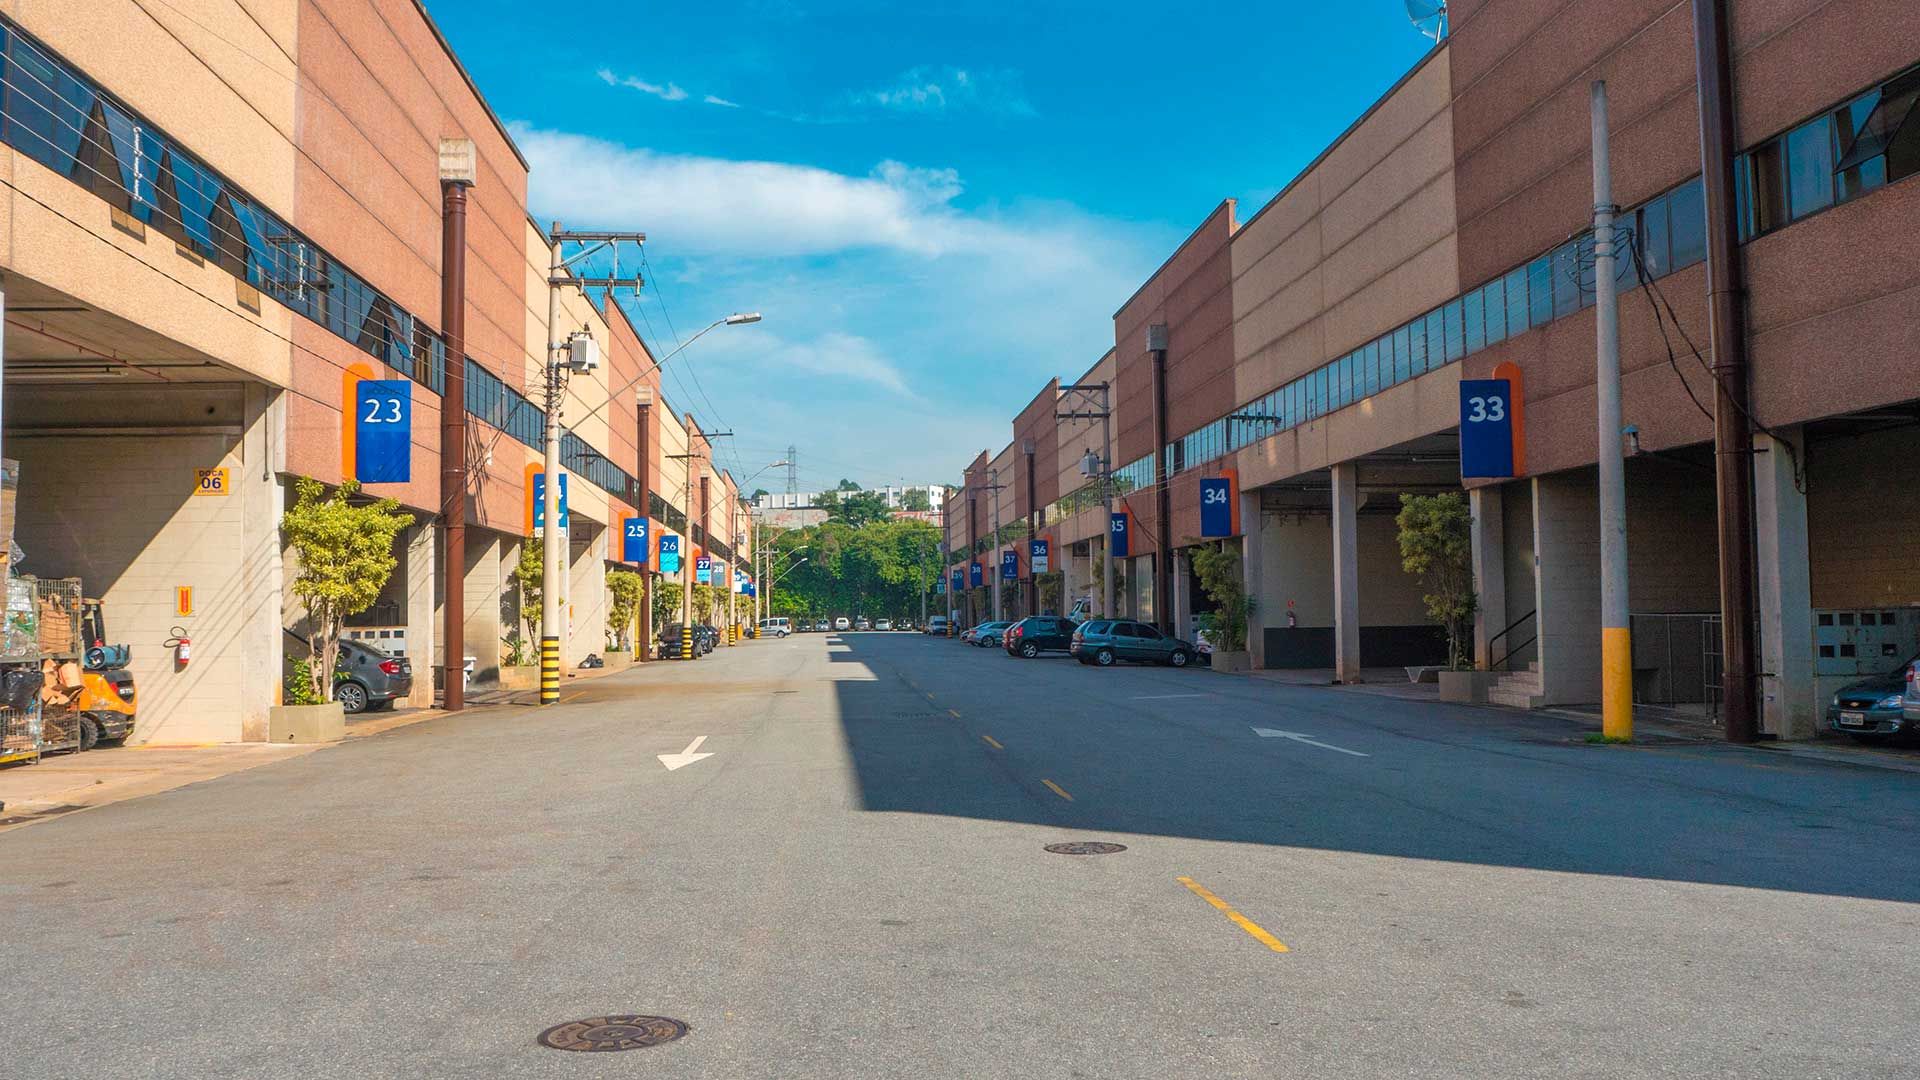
point(1732, 426)
point(1163, 494)
point(453, 443)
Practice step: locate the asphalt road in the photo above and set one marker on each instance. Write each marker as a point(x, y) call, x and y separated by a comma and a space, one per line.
point(854, 885)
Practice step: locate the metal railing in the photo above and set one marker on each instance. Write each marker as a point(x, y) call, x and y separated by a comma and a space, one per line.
point(1512, 650)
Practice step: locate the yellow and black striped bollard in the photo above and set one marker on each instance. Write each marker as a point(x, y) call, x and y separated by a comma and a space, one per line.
point(549, 670)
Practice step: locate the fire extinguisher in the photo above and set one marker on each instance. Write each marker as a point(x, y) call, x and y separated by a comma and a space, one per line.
point(182, 647)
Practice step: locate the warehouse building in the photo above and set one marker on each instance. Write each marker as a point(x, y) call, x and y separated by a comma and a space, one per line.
point(1310, 358)
point(217, 222)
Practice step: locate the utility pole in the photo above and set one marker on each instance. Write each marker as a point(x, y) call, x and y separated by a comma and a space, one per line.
point(644, 399)
point(458, 166)
point(686, 555)
point(1100, 470)
point(1616, 646)
point(1033, 531)
point(993, 576)
point(577, 352)
point(1732, 435)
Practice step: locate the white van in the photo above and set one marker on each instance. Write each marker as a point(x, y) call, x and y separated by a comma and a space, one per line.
point(841, 623)
point(779, 626)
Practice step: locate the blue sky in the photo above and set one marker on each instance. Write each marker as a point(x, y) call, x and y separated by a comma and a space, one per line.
point(938, 206)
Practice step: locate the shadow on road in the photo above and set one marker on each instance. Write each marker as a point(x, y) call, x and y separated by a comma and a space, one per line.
point(1439, 782)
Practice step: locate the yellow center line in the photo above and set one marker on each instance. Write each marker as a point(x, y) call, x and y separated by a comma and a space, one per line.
point(1058, 790)
point(991, 741)
point(1252, 928)
point(955, 713)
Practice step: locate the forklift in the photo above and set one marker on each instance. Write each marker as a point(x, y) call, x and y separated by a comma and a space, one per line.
point(106, 686)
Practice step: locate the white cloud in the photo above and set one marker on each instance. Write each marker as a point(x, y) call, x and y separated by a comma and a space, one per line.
point(893, 304)
point(669, 92)
point(713, 99)
point(929, 89)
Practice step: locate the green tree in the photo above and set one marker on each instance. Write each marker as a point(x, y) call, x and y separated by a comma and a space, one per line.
point(1221, 580)
point(916, 499)
point(861, 508)
point(846, 485)
point(666, 607)
point(346, 556)
point(1436, 545)
point(626, 589)
point(758, 494)
point(529, 577)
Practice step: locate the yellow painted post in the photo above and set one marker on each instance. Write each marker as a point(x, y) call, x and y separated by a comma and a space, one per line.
point(549, 670)
point(1616, 682)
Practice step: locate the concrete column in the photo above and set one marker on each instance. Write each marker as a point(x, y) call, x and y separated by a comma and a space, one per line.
point(1566, 586)
point(1789, 704)
point(423, 625)
point(264, 499)
point(1346, 573)
point(481, 622)
point(1253, 531)
point(1489, 574)
point(510, 621)
point(584, 611)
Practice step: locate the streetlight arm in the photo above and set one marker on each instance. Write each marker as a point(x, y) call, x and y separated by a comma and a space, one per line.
point(784, 573)
point(731, 320)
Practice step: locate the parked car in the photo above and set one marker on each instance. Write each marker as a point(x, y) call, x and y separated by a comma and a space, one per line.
point(842, 623)
point(1036, 634)
point(903, 624)
point(778, 626)
point(670, 642)
point(1877, 707)
point(883, 624)
point(937, 625)
point(367, 680)
point(705, 637)
point(1107, 641)
point(861, 623)
point(988, 634)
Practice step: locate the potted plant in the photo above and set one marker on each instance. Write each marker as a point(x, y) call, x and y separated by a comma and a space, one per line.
point(344, 547)
point(520, 667)
point(1436, 545)
point(1220, 578)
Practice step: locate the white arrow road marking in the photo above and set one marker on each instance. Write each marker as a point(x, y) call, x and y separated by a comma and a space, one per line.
point(1269, 733)
point(685, 757)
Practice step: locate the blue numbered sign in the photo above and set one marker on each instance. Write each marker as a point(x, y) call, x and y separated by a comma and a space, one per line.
point(975, 576)
point(383, 431)
point(703, 568)
point(1037, 555)
point(1118, 537)
point(633, 540)
point(669, 553)
point(1486, 428)
point(540, 500)
point(1216, 506)
point(1009, 566)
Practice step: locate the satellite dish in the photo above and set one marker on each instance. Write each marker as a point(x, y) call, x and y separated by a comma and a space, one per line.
point(1429, 17)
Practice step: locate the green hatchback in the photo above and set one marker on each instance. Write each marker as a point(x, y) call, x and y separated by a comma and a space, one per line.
point(1106, 642)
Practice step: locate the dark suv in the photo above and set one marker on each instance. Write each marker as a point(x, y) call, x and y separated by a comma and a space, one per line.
point(1036, 634)
point(1107, 641)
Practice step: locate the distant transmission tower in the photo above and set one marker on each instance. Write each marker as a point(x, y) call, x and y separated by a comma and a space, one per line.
point(793, 472)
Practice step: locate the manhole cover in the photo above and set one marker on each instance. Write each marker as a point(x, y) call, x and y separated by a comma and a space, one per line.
point(607, 1033)
point(1086, 847)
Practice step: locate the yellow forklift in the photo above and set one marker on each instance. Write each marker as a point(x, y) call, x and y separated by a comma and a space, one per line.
point(105, 702)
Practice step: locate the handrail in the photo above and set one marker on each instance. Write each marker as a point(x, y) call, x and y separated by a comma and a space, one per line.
point(1495, 665)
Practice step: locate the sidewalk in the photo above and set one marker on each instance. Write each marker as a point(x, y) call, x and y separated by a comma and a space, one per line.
point(64, 783)
point(1651, 722)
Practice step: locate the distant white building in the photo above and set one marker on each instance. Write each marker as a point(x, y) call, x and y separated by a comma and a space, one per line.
point(895, 495)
